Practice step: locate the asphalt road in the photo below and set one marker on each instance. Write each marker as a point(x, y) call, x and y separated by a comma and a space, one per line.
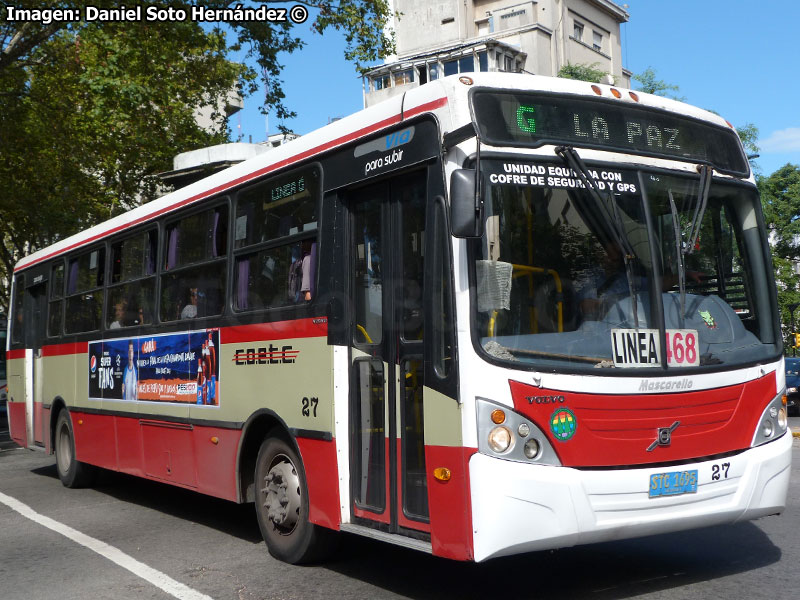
point(213, 549)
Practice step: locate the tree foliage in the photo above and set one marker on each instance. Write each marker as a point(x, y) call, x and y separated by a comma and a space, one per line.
point(91, 112)
point(583, 72)
point(650, 85)
point(780, 198)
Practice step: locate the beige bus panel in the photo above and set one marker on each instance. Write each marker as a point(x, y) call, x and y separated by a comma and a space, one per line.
point(442, 419)
point(281, 387)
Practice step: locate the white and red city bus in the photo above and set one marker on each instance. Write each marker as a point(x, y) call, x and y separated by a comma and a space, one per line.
point(496, 314)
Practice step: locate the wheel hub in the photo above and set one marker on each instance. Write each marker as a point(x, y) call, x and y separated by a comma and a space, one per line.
point(282, 495)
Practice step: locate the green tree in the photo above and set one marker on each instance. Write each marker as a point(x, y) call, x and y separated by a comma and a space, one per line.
point(582, 72)
point(650, 85)
point(90, 112)
point(780, 198)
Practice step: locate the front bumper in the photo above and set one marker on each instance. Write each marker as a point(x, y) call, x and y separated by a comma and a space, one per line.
point(518, 507)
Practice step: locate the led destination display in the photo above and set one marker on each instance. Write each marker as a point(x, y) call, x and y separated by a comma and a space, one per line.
point(519, 119)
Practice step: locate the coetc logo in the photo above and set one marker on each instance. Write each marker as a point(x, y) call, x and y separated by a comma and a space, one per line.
point(93, 364)
point(563, 424)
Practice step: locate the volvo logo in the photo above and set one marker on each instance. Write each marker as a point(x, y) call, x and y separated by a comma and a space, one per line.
point(664, 437)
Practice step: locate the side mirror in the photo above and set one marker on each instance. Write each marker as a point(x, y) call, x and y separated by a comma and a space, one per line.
point(466, 204)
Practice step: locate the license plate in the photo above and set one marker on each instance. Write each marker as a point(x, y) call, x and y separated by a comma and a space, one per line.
point(673, 483)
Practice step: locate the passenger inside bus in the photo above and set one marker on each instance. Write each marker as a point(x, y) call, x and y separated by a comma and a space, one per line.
point(119, 315)
point(190, 309)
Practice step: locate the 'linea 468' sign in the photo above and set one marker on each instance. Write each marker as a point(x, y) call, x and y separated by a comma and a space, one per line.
point(642, 348)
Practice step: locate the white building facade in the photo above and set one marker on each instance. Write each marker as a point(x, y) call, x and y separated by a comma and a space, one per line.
point(436, 38)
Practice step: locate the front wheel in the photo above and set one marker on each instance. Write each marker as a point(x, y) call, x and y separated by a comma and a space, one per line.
point(71, 472)
point(282, 506)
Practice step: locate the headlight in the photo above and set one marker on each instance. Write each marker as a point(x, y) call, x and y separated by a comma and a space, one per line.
point(791, 390)
point(512, 437)
point(773, 422)
point(531, 449)
point(500, 439)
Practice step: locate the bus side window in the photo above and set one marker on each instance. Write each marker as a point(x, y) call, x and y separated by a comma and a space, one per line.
point(85, 291)
point(194, 258)
point(56, 309)
point(132, 290)
point(17, 326)
point(276, 242)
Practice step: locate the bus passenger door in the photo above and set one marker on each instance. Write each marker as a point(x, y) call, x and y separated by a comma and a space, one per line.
point(35, 317)
point(387, 453)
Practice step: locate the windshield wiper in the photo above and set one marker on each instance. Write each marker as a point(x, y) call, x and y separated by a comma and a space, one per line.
point(610, 215)
point(699, 209)
point(685, 242)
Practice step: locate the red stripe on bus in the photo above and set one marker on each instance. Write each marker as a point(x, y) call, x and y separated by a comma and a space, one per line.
point(64, 349)
point(428, 106)
point(279, 330)
point(239, 334)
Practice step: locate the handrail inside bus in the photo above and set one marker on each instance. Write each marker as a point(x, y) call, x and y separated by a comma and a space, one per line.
point(364, 333)
point(528, 271)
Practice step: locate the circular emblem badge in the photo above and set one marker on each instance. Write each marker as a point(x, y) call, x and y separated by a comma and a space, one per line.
point(93, 364)
point(563, 424)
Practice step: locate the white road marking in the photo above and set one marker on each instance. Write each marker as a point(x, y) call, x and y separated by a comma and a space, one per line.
point(157, 578)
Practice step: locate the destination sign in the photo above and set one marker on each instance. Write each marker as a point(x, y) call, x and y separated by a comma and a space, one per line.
point(521, 119)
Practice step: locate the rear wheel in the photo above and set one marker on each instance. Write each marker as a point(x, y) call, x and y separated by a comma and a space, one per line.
point(71, 472)
point(282, 506)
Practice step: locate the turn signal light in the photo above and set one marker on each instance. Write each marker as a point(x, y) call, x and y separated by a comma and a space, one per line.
point(597, 90)
point(215, 440)
point(616, 93)
point(498, 416)
point(441, 474)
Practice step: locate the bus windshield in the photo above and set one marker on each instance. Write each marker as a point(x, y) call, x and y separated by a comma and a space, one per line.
point(656, 271)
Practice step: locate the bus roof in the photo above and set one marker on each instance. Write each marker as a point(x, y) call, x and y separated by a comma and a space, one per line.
point(436, 96)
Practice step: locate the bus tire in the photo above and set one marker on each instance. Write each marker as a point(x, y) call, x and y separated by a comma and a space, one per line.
point(71, 472)
point(282, 506)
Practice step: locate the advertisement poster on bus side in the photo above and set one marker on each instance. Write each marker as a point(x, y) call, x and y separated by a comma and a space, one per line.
point(176, 367)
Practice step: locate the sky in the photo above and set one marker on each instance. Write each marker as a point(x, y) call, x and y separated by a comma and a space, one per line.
point(738, 58)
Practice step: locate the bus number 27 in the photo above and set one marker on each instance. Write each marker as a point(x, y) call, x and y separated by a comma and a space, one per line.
point(309, 405)
point(720, 471)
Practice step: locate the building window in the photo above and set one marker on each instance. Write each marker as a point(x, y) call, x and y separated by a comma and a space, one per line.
point(382, 82)
point(577, 31)
point(597, 41)
point(450, 67)
point(483, 61)
point(403, 77)
point(466, 64)
point(434, 71)
point(508, 64)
